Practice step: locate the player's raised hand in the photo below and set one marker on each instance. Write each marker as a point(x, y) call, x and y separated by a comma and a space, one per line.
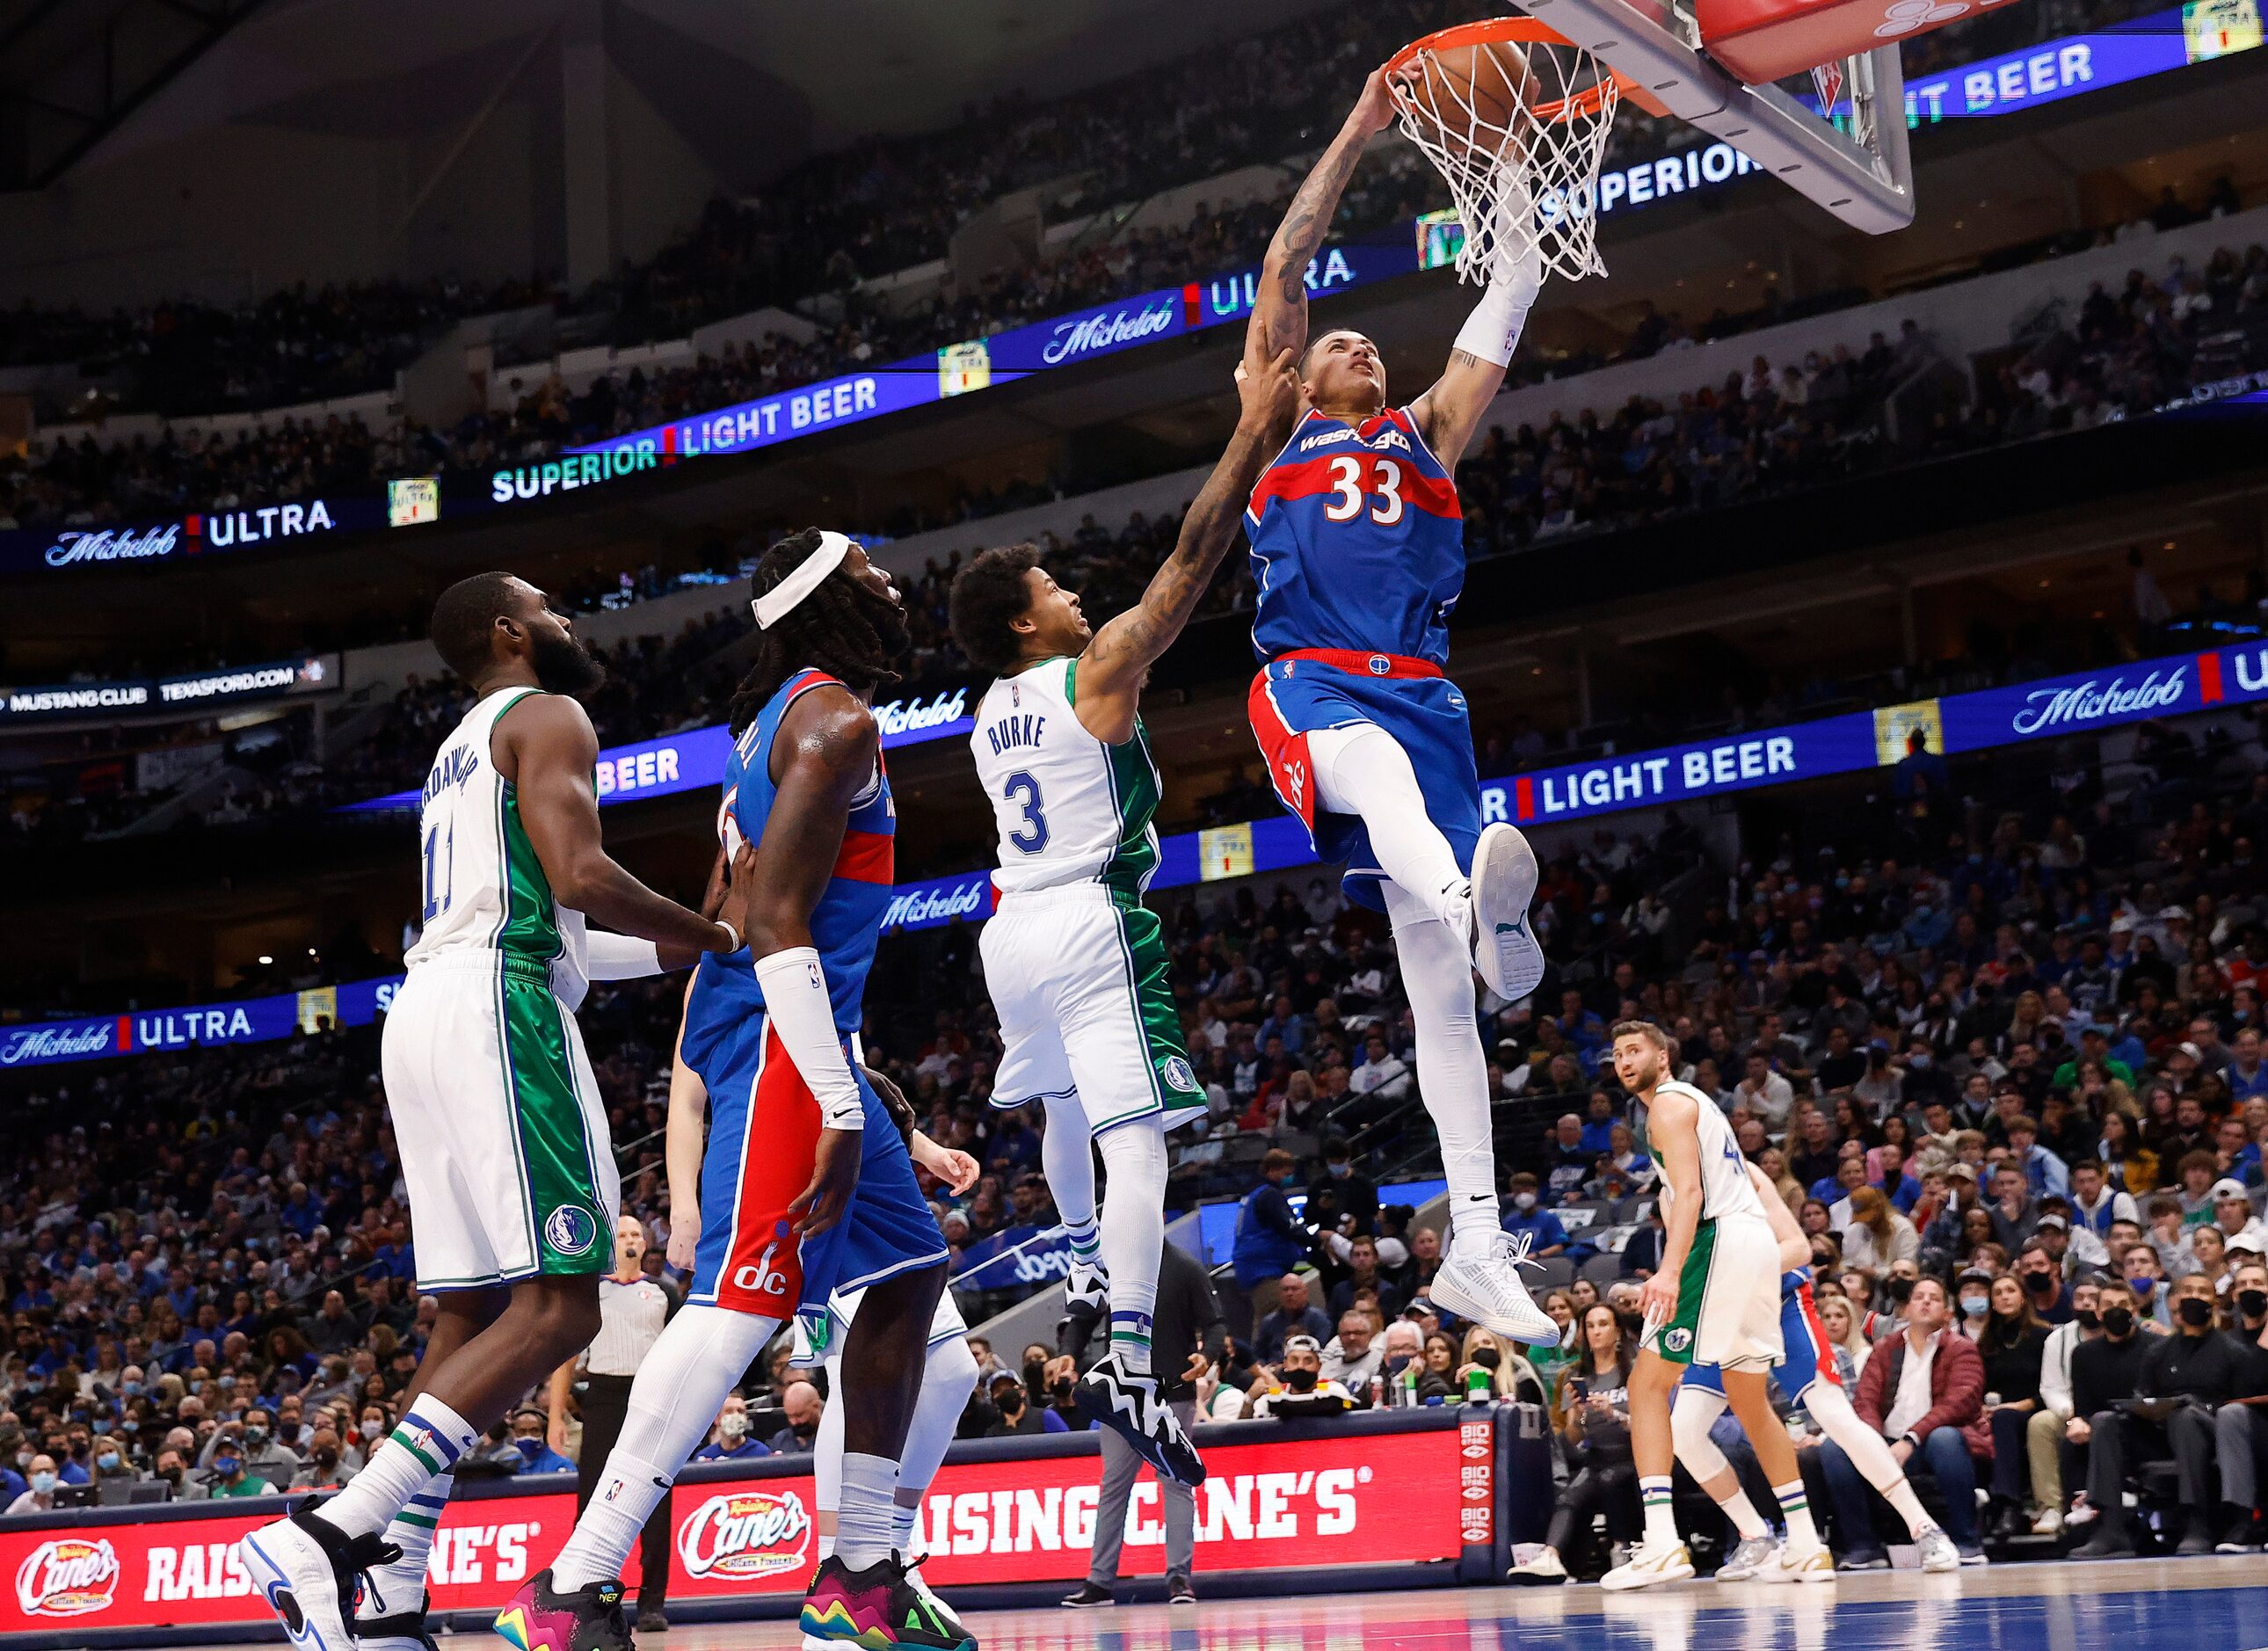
point(1374, 110)
point(1267, 388)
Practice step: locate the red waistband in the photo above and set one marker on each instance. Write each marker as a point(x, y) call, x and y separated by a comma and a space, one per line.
point(1363, 664)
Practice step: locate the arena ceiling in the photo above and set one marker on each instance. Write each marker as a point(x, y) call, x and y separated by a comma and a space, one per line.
point(105, 76)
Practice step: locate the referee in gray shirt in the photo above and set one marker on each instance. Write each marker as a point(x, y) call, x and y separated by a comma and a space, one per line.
point(632, 1309)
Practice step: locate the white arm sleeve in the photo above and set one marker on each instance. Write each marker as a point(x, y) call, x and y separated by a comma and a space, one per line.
point(795, 999)
point(1492, 330)
point(619, 957)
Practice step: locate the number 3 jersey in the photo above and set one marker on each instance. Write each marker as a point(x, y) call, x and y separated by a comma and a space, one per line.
point(1070, 809)
point(1358, 541)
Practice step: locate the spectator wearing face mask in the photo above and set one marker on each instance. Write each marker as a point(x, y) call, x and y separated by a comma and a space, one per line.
point(728, 1439)
point(114, 1471)
point(324, 1468)
point(1018, 1416)
point(1300, 1373)
point(171, 1470)
point(230, 1474)
point(2145, 1274)
point(2241, 1430)
point(2046, 1428)
point(41, 1482)
point(1525, 1215)
point(1269, 1239)
point(2181, 1381)
point(803, 1407)
point(531, 1453)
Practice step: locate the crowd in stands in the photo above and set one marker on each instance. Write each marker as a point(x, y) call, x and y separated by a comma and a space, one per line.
point(881, 206)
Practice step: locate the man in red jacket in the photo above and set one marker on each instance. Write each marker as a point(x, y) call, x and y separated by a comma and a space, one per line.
point(1919, 1389)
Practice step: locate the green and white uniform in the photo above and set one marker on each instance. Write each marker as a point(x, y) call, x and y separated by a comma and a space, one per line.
point(505, 1152)
point(1075, 962)
point(1728, 1294)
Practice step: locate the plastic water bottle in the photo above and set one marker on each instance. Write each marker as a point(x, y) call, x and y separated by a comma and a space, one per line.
point(1479, 1389)
point(1408, 1396)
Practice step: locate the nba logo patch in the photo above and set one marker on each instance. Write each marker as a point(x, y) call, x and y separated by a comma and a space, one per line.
point(1381, 665)
point(1015, 693)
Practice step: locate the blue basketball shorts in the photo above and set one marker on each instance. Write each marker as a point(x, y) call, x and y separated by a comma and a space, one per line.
point(1810, 1355)
point(1302, 693)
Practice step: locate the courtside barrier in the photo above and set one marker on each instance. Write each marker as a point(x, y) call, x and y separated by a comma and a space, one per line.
point(1408, 1498)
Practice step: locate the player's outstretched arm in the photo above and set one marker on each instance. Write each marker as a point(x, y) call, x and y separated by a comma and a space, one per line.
point(1451, 411)
point(1279, 312)
point(827, 751)
point(1111, 670)
point(549, 741)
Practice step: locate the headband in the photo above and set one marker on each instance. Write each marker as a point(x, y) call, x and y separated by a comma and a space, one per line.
point(776, 603)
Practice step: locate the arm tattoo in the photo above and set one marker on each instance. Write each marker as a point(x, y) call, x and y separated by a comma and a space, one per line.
point(1305, 222)
point(1148, 629)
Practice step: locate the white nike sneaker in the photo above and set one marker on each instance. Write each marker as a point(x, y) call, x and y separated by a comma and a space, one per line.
point(1752, 1556)
point(1649, 1567)
point(305, 1569)
point(1811, 1563)
point(1504, 948)
point(1543, 1571)
point(1937, 1551)
point(1487, 1289)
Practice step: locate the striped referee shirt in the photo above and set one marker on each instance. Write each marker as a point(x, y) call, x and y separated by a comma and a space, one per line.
point(630, 1315)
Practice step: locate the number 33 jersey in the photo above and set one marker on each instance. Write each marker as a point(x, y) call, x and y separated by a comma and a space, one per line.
point(1358, 541)
point(1070, 809)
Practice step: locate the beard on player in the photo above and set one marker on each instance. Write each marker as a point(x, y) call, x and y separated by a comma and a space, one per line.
point(564, 663)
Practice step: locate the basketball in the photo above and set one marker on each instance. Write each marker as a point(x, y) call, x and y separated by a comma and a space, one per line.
point(1475, 94)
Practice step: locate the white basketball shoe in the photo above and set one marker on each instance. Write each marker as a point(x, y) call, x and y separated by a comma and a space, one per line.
point(1485, 1288)
point(1504, 948)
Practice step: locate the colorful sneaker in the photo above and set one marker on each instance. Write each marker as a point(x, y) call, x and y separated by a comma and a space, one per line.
point(946, 1614)
point(1505, 947)
point(588, 1620)
point(1129, 1405)
point(875, 1610)
point(1650, 1567)
point(1087, 1303)
point(1751, 1555)
point(307, 1570)
point(1487, 1290)
point(1811, 1563)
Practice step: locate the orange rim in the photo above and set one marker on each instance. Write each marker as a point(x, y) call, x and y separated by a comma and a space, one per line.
point(1527, 32)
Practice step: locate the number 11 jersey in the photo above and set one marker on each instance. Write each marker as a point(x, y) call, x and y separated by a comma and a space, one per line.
point(1070, 809)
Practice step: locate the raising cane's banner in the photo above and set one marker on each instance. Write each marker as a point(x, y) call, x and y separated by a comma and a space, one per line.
point(1399, 1490)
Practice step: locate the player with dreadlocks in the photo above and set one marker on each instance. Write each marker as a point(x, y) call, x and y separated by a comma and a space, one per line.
point(807, 1192)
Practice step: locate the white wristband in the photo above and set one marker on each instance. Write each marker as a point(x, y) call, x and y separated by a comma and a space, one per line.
point(1492, 330)
point(619, 957)
point(796, 1001)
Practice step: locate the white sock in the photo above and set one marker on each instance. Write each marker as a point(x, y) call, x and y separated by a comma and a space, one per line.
point(1660, 1521)
point(1134, 1235)
point(1830, 1406)
point(826, 1546)
point(864, 1524)
point(680, 1388)
point(1742, 1513)
point(1795, 1508)
point(394, 1588)
point(905, 1521)
point(1437, 973)
point(426, 1442)
point(1362, 769)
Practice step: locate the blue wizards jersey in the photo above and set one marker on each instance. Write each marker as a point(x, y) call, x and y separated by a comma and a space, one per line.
point(847, 922)
point(1357, 541)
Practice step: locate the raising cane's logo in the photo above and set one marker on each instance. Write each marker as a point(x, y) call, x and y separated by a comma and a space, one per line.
point(68, 1576)
point(744, 1535)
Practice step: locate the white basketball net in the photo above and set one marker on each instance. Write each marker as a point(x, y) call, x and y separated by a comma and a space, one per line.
point(1524, 187)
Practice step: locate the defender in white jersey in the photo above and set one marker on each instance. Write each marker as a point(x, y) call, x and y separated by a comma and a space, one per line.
point(1715, 1299)
point(1074, 961)
point(503, 1143)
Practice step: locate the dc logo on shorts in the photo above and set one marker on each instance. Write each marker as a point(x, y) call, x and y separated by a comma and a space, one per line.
point(570, 1229)
point(1381, 665)
point(1678, 1340)
point(1178, 1074)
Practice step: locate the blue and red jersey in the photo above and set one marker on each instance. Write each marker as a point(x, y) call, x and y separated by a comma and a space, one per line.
point(847, 922)
point(1357, 541)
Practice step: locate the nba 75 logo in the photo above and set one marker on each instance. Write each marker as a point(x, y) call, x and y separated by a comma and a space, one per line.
point(742, 1535)
point(68, 1576)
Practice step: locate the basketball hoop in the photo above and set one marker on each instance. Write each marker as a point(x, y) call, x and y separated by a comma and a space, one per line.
point(1515, 117)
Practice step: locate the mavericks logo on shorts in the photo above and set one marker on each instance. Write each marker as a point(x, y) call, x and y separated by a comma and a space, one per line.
point(1177, 1073)
point(1678, 1340)
point(570, 1229)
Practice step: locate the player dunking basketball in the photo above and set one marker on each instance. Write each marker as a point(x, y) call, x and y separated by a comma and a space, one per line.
point(1357, 548)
